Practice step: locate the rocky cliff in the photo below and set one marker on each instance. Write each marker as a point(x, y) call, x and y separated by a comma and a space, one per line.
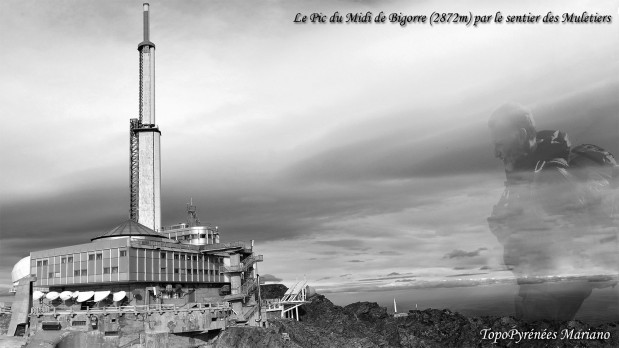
point(365, 324)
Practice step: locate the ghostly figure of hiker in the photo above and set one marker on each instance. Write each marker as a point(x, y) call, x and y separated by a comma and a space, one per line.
point(557, 217)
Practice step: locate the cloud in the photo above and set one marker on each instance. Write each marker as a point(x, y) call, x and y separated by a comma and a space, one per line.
point(270, 278)
point(389, 253)
point(465, 274)
point(457, 253)
point(343, 243)
point(355, 261)
point(329, 162)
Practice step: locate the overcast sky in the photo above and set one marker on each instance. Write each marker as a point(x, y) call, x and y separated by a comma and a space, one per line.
point(355, 155)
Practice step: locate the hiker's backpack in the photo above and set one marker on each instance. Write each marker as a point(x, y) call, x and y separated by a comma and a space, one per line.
point(591, 170)
point(597, 170)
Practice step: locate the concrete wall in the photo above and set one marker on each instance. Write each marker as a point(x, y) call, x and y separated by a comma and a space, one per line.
point(119, 325)
point(20, 307)
point(149, 176)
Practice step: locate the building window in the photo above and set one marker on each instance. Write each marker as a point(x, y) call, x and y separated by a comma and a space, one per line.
point(210, 272)
point(123, 253)
point(44, 262)
point(76, 273)
point(163, 270)
point(176, 271)
point(175, 256)
point(39, 263)
point(216, 272)
point(163, 255)
point(183, 271)
point(99, 256)
point(50, 275)
point(106, 270)
point(91, 257)
point(63, 260)
point(57, 275)
point(114, 270)
point(195, 271)
point(70, 259)
point(202, 235)
point(194, 257)
point(183, 257)
point(84, 272)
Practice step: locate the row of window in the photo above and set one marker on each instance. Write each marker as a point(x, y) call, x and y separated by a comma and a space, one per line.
point(69, 259)
point(114, 270)
point(83, 272)
point(192, 271)
point(184, 257)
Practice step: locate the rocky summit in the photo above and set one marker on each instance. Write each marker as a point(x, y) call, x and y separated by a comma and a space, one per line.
point(366, 324)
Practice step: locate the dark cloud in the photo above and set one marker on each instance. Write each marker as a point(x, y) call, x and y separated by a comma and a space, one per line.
point(270, 278)
point(608, 239)
point(405, 280)
point(457, 253)
point(588, 116)
point(390, 276)
point(482, 268)
point(345, 275)
point(355, 261)
point(343, 243)
point(417, 284)
point(464, 274)
point(389, 253)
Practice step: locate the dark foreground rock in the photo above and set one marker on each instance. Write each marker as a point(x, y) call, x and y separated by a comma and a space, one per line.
point(272, 290)
point(365, 325)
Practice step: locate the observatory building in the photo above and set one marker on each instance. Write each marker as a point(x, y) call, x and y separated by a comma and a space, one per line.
point(140, 269)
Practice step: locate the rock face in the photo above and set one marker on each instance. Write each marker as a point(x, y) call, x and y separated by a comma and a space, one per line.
point(271, 291)
point(365, 325)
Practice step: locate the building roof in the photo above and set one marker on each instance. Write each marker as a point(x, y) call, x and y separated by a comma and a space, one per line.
point(131, 228)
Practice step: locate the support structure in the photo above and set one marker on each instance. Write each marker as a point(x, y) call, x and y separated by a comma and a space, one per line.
point(289, 304)
point(145, 155)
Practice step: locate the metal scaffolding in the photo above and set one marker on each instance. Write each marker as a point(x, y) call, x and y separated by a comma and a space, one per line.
point(134, 168)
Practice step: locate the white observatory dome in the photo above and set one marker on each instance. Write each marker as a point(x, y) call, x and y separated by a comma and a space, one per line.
point(21, 269)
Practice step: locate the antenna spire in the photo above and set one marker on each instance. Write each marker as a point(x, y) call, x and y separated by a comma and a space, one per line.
point(146, 25)
point(146, 41)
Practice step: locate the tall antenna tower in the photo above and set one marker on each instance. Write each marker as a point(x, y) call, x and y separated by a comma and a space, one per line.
point(144, 144)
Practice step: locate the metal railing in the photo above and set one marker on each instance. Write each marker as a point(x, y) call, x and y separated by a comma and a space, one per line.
point(245, 264)
point(152, 308)
point(222, 246)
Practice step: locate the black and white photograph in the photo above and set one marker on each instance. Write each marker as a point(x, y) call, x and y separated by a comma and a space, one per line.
point(309, 173)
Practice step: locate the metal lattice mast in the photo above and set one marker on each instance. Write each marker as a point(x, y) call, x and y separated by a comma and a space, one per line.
point(134, 166)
